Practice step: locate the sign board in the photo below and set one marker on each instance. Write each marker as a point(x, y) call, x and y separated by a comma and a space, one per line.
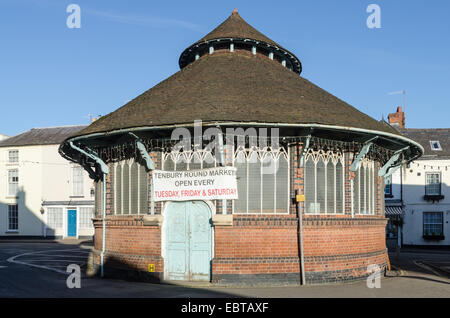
point(206, 184)
point(151, 268)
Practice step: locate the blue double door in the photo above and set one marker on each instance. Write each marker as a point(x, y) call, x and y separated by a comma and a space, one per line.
point(72, 223)
point(188, 241)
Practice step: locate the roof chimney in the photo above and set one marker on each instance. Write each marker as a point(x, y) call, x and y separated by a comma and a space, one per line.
point(398, 118)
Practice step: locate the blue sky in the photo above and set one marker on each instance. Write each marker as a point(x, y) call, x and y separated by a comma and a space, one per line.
point(51, 75)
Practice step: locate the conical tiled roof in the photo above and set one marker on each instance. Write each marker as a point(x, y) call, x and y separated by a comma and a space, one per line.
point(239, 88)
point(236, 27)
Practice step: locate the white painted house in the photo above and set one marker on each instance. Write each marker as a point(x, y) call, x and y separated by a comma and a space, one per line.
point(42, 194)
point(419, 193)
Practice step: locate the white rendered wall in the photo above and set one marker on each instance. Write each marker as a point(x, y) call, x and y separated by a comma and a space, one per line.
point(415, 205)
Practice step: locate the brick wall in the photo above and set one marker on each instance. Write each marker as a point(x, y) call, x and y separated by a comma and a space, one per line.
point(255, 245)
point(130, 247)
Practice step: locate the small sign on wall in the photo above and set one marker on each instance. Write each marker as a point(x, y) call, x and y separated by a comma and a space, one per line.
point(206, 184)
point(151, 268)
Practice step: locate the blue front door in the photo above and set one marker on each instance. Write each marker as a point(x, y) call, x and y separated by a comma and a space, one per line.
point(72, 223)
point(188, 241)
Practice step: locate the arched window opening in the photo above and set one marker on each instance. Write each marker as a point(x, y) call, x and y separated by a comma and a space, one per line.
point(365, 188)
point(324, 182)
point(126, 190)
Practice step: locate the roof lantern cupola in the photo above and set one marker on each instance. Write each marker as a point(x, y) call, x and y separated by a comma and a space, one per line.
point(237, 36)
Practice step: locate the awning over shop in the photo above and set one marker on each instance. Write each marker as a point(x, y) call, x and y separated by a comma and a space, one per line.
point(394, 210)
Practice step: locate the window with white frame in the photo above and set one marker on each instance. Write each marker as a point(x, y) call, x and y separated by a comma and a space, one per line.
point(364, 188)
point(77, 181)
point(13, 217)
point(262, 181)
point(55, 218)
point(86, 216)
point(324, 182)
point(388, 186)
point(433, 223)
point(13, 182)
point(131, 188)
point(435, 145)
point(433, 183)
point(13, 156)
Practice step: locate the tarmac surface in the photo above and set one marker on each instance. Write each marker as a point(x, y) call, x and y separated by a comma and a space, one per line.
point(38, 269)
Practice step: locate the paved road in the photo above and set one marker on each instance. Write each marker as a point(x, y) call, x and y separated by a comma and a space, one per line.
point(38, 270)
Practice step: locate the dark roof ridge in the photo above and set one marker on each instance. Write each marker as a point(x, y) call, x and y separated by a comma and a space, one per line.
point(42, 136)
point(296, 94)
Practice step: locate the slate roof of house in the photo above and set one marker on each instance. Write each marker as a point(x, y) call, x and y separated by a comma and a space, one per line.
point(424, 136)
point(41, 136)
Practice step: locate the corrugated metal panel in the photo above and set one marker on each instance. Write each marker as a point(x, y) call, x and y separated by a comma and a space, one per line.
point(126, 190)
point(143, 190)
point(209, 161)
point(99, 198)
point(196, 162)
point(134, 188)
point(268, 184)
point(330, 208)
point(320, 187)
point(310, 185)
point(169, 164)
point(254, 184)
point(181, 164)
point(282, 198)
point(118, 189)
point(339, 188)
point(240, 205)
point(356, 190)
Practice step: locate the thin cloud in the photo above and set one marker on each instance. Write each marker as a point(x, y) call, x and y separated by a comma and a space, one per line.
point(145, 20)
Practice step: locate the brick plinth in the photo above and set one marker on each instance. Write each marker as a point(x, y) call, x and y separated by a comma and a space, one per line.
point(341, 248)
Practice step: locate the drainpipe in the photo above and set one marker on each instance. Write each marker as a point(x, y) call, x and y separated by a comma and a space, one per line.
point(399, 227)
point(104, 227)
point(105, 170)
point(300, 210)
point(150, 165)
point(300, 225)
